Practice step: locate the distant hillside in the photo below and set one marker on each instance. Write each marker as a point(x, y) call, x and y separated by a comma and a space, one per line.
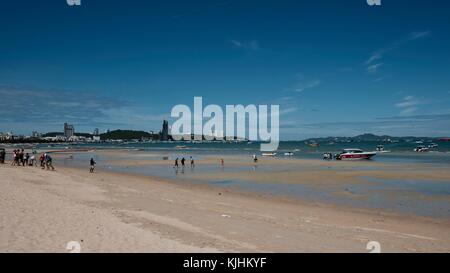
point(127, 135)
point(370, 137)
point(54, 134)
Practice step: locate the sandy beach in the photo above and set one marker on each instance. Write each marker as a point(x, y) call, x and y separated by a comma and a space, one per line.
point(41, 211)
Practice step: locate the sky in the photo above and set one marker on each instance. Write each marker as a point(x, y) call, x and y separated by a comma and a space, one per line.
point(336, 68)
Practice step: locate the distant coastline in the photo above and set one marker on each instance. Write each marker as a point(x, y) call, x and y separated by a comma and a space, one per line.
point(142, 136)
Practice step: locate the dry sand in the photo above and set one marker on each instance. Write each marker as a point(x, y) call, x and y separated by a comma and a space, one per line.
point(41, 211)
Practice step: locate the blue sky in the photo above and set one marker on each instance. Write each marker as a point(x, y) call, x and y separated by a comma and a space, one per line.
point(335, 67)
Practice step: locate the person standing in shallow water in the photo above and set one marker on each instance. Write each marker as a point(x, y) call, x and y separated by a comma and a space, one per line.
point(192, 162)
point(255, 159)
point(92, 163)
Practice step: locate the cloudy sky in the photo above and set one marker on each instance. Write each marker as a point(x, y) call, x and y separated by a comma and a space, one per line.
point(334, 67)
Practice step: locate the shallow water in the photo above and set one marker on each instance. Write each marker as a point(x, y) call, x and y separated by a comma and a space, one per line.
point(417, 197)
point(400, 152)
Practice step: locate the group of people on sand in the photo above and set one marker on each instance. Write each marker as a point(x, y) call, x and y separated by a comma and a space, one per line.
point(20, 158)
point(183, 162)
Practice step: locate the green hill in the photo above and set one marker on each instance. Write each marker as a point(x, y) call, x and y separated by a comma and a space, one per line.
point(127, 135)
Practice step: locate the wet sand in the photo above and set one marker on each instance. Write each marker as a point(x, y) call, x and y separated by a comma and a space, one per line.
point(109, 212)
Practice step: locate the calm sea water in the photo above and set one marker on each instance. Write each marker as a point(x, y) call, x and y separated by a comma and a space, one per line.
point(399, 152)
point(426, 198)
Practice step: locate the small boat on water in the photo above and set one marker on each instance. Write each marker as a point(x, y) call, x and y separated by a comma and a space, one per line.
point(327, 156)
point(433, 145)
point(289, 154)
point(381, 150)
point(269, 154)
point(181, 147)
point(421, 149)
point(355, 154)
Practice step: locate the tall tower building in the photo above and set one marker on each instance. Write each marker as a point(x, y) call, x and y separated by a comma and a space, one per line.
point(69, 130)
point(165, 131)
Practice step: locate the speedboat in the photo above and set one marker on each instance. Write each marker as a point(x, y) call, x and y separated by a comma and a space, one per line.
point(433, 145)
point(314, 145)
point(289, 154)
point(181, 147)
point(421, 149)
point(355, 154)
point(327, 156)
point(269, 154)
point(380, 148)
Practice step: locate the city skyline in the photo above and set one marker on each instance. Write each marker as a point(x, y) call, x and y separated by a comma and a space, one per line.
point(335, 69)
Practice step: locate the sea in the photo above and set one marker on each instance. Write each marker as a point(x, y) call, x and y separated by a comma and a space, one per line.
point(420, 197)
point(394, 152)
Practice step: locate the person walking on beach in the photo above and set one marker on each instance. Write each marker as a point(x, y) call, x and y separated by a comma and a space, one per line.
point(33, 160)
point(182, 162)
point(14, 158)
point(42, 161)
point(21, 161)
point(92, 165)
point(26, 159)
point(176, 163)
point(48, 161)
point(2, 156)
point(192, 162)
point(255, 159)
point(222, 162)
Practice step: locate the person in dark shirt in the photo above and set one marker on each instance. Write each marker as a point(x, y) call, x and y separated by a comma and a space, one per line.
point(92, 163)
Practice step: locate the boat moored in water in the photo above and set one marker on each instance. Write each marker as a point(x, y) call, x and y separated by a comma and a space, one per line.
point(421, 149)
point(355, 154)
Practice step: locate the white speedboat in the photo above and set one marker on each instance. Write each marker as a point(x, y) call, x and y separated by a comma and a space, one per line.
point(381, 150)
point(355, 154)
point(269, 154)
point(421, 149)
point(181, 147)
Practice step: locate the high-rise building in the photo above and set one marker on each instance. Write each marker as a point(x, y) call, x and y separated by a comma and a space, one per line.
point(69, 130)
point(96, 132)
point(35, 134)
point(165, 131)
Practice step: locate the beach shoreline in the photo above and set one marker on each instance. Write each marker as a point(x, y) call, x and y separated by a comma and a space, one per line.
point(43, 210)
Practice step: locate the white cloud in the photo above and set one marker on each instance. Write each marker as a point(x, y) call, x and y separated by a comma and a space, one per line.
point(372, 69)
point(375, 56)
point(251, 45)
point(408, 105)
point(289, 110)
point(308, 85)
point(419, 34)
point(379, 54)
